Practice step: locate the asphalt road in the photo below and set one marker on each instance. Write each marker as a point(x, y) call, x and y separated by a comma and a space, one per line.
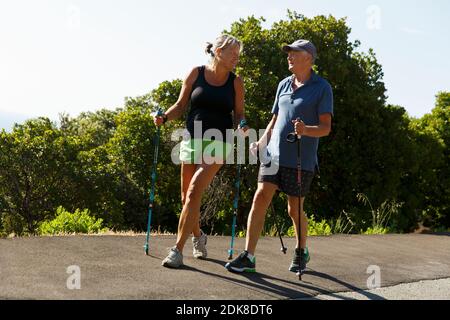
point(423, 290)
point(115, 267)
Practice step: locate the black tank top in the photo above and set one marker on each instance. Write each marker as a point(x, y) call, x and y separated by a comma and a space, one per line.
point(213, 105)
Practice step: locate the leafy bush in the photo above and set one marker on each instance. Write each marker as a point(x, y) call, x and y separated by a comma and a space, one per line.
point(66, 222)
point(342, 225)
point(376, 230)
point(382, 215)
point(440, 230)
point(12, 225)
point(315, 228)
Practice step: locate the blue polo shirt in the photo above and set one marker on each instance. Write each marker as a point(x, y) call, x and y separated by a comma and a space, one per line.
point(308, 102)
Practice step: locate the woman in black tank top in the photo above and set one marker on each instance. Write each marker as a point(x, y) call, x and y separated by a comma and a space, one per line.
point(216, 96)
point(212, 105)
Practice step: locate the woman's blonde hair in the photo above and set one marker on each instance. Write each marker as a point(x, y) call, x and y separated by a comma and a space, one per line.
point(224, 41)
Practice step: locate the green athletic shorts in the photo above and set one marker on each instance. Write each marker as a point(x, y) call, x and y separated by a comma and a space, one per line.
point(197, 151)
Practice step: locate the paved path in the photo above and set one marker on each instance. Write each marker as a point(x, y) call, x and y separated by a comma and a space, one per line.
point(115, 267)
point(422, 290)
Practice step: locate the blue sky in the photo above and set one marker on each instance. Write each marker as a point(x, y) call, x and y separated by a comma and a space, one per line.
point(72, 56)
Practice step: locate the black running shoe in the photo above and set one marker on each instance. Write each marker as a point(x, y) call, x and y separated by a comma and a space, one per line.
point(242, 263)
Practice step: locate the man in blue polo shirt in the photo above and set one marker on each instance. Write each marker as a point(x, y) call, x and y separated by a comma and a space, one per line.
point(306, 96)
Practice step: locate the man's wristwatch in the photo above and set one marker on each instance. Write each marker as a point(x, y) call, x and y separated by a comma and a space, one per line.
point(164, 116)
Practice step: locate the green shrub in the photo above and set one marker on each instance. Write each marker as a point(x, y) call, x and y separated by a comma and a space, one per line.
point(13, 224)
point(315, 228)
point(343, 224)
point(376, 230)
point(382, 215)
point(77, 222)
point(440, 229)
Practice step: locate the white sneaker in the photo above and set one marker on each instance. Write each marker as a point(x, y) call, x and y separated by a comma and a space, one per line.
point(199, 246)
point(174, 259)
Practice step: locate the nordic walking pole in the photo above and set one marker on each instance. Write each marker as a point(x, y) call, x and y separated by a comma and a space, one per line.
point(299, 181)
point(235, 208)
point(159, 112)
point(237, 183)
point(293, 137)
point(283, 248)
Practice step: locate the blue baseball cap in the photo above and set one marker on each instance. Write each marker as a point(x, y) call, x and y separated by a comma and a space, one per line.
point(302, 45)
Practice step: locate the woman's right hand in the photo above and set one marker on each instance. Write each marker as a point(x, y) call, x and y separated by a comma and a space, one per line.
point(160, 120)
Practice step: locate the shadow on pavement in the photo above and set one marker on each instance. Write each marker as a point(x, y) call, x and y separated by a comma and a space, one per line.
point(293, 289)
point(351, 287)
point(154, 257)
point(272, 290)
point(441, 234)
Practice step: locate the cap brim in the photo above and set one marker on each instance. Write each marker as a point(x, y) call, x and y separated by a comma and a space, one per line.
point(290, 48)
point(287, 48)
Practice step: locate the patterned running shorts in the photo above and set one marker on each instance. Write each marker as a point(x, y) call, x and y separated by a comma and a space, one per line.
point(286, 180)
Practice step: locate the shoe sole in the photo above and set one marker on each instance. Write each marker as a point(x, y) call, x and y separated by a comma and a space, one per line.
point(295, 270)
point(167, 265)
point(241, 270)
